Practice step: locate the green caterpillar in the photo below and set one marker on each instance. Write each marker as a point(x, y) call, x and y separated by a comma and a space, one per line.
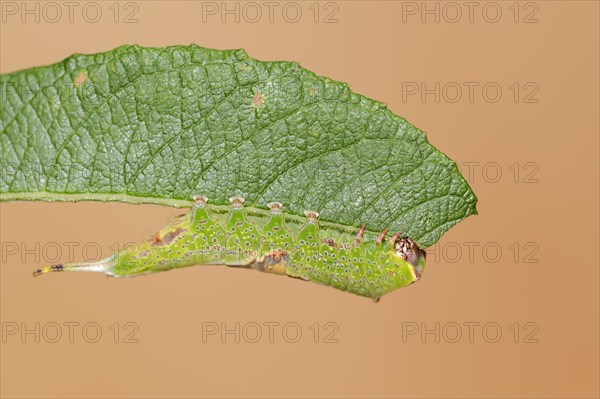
point(273, 242)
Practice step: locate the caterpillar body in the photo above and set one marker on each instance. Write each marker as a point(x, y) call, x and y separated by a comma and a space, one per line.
point(362, 263)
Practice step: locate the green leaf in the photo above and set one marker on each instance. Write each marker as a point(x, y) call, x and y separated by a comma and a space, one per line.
point(159, 125)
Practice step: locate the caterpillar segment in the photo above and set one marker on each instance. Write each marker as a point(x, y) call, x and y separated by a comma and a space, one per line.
point(362, 263)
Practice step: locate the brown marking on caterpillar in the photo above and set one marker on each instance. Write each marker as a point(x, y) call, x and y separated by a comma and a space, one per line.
point(311, 216)
point(360, 233)
point(330, 242)
point(236, 202)
point(394, 238)
point(200, 200)
point(380, 237)
point(275, 207)
point(171, 235)
point(410, 252)
point(55, 268)
point(274, 262)
point(167, 238)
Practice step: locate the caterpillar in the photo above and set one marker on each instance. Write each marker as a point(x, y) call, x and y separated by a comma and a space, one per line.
point(362, 263)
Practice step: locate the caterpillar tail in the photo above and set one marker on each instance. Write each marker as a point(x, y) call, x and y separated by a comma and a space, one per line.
point(101, 266)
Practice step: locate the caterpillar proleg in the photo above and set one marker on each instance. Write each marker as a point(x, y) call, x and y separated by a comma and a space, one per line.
point(362, 263)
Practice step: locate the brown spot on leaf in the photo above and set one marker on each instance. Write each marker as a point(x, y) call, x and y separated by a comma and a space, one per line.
point(258, 99)
point(80, 79)
point(329, 242)
point(167, 238)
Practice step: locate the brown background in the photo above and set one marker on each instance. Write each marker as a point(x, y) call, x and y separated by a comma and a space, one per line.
point(375, 51)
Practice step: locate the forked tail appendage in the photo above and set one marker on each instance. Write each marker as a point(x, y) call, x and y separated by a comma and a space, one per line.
point(103, 265)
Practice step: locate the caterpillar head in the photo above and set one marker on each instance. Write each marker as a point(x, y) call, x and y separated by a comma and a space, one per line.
point(408, 250)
